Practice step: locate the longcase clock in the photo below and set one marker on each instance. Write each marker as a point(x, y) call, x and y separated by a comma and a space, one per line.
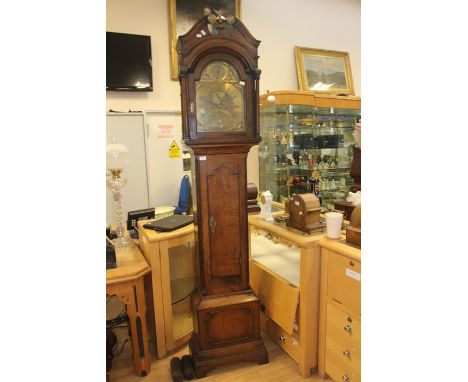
point(219, 79)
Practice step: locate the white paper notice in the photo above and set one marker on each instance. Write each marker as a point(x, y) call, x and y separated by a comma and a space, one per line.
point(354, 275)
point(166, 131)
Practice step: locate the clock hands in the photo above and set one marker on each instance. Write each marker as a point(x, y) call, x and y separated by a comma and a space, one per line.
point(217, 100)
point(209, 101)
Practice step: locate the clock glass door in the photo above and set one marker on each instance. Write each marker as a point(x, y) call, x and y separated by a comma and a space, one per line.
point(220, 99)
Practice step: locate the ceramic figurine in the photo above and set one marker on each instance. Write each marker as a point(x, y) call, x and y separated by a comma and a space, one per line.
point(265, 206)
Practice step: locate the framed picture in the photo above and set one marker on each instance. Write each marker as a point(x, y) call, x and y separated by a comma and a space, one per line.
point(185, 13)
point(323, 71)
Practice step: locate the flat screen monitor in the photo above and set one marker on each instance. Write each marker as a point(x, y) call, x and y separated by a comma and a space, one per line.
point(128, 62)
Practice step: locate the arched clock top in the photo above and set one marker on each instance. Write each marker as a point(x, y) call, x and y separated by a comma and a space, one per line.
point(222, 109)
point(233, 38)
point(231, 48)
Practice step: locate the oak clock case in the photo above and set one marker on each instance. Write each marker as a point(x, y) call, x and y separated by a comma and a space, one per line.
point(219, 78)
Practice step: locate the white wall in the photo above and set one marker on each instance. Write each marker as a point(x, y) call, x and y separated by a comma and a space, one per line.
point(280, 25)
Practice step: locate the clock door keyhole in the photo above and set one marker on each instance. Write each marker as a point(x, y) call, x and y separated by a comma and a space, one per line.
point(212, 225)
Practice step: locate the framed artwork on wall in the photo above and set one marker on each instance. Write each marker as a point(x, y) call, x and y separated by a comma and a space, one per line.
point(323, 71)
point(184, 14)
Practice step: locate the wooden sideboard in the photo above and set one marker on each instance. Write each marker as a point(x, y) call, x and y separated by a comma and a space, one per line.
point(340, 312)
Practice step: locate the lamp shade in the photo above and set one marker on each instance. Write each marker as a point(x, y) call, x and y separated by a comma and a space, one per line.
point(116, 156)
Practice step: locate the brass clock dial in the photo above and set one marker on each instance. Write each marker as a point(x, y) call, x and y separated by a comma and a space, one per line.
point(220, 99)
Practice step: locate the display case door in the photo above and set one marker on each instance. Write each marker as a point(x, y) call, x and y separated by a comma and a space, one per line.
point(177, 256)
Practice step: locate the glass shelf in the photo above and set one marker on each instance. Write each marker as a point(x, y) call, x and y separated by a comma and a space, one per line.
point(181, 289)
point(296, 137)
point(281, 167)
point(182, 324)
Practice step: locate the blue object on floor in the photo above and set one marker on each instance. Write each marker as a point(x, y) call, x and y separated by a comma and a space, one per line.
point(184, 196)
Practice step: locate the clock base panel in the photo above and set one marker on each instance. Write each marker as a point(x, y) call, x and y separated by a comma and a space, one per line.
point(206, 360)
point(228, 332)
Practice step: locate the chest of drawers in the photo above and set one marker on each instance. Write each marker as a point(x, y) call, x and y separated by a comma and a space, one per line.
point(340, 312)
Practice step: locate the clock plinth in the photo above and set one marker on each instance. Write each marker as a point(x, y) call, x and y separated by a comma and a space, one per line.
point(219, 94)
point(228, 332)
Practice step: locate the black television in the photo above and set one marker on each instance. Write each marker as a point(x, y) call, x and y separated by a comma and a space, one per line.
point(128, 62)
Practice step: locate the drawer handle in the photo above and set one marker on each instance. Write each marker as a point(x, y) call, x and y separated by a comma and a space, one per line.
point(348, 329)
point(351, 263)
point(345, 378)
point(350, 319)
point(282, 338)
point(347, 353)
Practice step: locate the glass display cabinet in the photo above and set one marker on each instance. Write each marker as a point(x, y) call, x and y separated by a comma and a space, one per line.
point(171, 256)
point(304, 136)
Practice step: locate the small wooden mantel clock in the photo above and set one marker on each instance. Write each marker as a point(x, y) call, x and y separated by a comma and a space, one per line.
point(219, 79)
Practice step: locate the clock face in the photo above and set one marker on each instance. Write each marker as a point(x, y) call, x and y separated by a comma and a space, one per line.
point(220, 99)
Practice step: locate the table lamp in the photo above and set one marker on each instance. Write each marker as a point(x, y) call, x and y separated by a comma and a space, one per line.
point(116, 160)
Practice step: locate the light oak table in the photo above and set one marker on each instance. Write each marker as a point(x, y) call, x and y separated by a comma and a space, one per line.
point(126, 282)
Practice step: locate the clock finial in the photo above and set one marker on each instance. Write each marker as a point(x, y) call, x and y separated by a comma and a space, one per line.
point(218, 16)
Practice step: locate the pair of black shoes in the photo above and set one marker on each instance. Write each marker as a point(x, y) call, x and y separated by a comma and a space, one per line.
point(182, 368)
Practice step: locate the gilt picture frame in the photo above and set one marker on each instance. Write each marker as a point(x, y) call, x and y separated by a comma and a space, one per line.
point(323, 71)
point(183, 14)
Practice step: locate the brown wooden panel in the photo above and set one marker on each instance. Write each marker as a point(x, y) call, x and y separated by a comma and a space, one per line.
point(229, 325)
point(223, 196)
point(224, 225)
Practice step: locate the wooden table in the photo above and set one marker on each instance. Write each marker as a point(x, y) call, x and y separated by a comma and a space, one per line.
point(126, 282)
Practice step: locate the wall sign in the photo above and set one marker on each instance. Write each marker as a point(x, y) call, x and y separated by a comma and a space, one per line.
point(174, 150)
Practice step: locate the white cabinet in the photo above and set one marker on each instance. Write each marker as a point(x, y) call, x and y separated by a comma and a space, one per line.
point(165, 172)
point(153, 175)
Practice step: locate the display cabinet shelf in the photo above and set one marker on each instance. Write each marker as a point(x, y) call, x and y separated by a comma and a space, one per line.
point(306, 134)
point(181, 289)
point(182, 324)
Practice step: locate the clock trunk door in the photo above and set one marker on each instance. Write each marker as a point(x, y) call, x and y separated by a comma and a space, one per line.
point(223, 184)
